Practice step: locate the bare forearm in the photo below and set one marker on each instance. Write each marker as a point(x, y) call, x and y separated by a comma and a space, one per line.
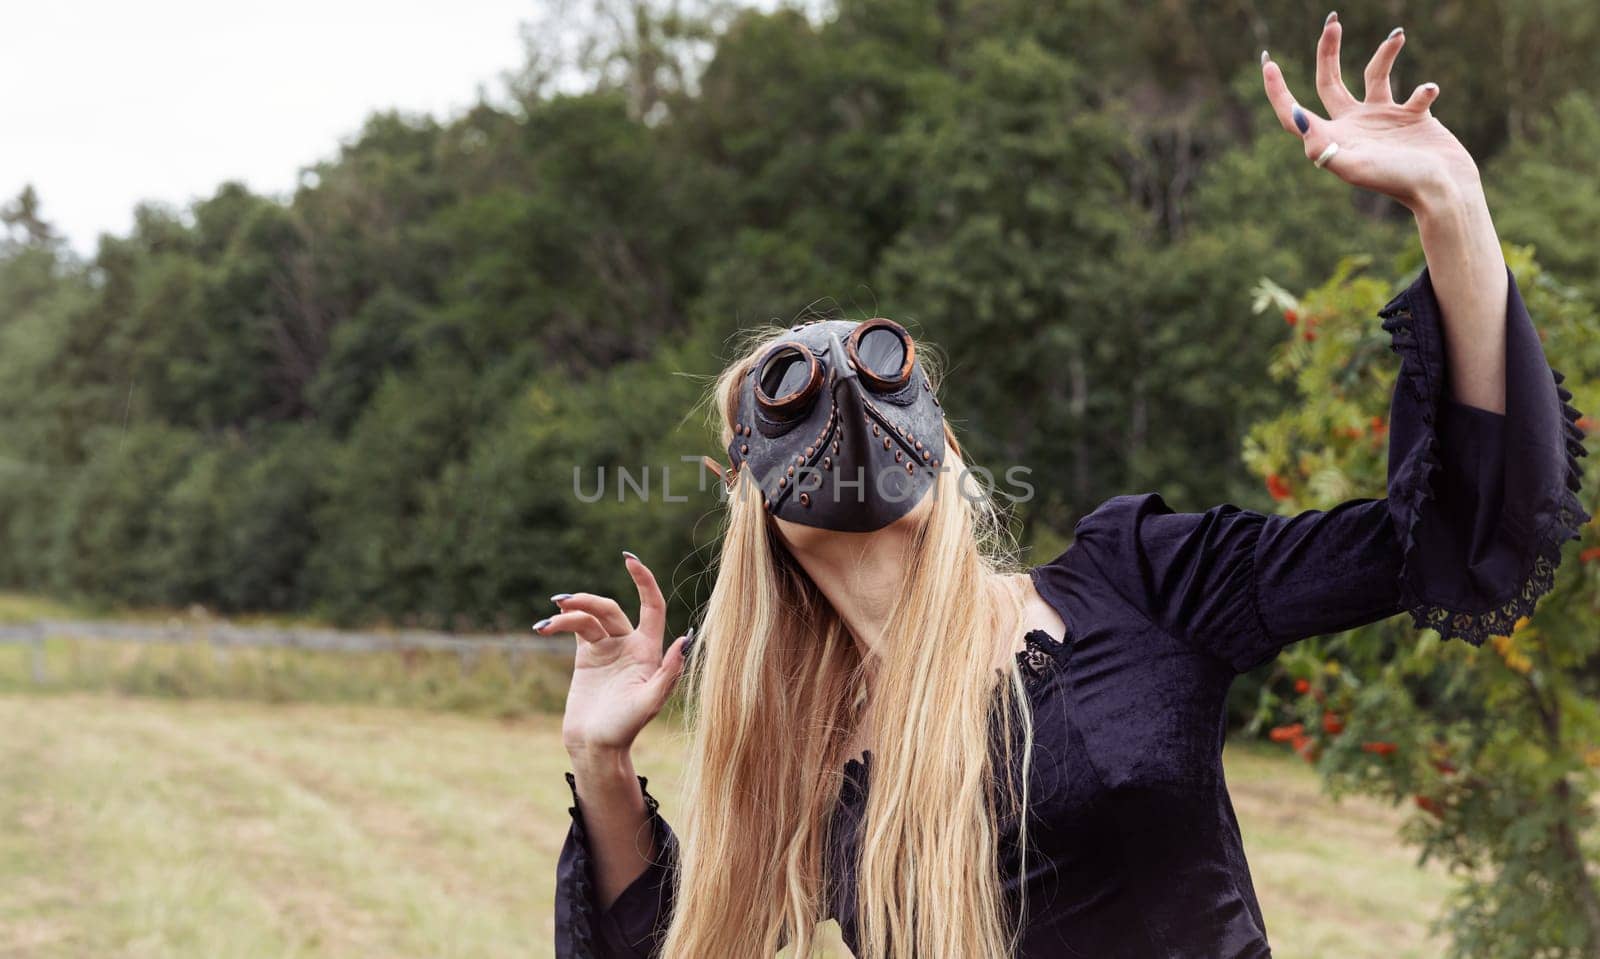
point(1468, 272)
point(621, 844)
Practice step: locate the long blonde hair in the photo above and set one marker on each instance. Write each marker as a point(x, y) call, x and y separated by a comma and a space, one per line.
point(774, 695)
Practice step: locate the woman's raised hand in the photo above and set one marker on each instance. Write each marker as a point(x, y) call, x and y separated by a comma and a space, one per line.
point(1397, 149)
point(621, 677)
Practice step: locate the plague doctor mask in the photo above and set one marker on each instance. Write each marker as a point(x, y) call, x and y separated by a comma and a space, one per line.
point(838, 426)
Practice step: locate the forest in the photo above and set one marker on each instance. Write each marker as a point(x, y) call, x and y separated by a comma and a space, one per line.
point(368, 400)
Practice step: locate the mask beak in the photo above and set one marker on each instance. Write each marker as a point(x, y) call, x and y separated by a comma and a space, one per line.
point(856, 464)
point(841, 360)
point(846, 387)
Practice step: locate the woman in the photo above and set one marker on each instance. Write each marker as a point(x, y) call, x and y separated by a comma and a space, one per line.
point(893, 727)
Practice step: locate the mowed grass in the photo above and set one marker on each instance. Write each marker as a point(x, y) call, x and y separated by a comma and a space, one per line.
point(135, 827)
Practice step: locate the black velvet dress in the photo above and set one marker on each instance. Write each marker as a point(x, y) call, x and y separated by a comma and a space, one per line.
point(1135, 848)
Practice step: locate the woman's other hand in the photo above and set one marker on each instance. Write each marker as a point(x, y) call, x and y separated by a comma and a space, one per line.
point(1398, 149)
point(621, 677)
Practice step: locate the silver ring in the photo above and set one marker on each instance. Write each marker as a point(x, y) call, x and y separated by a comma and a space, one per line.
point(1328, 153)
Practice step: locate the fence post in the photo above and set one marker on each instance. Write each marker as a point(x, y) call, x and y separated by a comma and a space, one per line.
point(220, 653)
point(36, 656)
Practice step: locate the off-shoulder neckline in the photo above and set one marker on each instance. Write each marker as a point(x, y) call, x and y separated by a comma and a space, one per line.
point(1041, 657)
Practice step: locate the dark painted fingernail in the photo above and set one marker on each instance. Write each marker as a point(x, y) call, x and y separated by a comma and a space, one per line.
point(541, 624)
point(1264, 58)
point(1395, 32)
point(630, 556)
point(1332, 16)
point(1301, 120)
point(559, 597)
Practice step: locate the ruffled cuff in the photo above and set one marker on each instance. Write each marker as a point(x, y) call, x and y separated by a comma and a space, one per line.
point(635, 923)
point(1481, 501)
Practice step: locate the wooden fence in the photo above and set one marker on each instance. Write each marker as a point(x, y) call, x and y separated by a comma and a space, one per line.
point(222, 635)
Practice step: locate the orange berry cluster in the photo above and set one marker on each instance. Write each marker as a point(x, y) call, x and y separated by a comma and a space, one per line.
point(1332, 724)
point(1377, 427)
point(1291, 317)
point(1294, 734)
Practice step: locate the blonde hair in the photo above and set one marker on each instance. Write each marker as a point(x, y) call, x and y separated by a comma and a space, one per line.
point(774, 695)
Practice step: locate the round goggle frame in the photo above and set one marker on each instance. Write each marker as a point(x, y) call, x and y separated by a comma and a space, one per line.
point(883, 381)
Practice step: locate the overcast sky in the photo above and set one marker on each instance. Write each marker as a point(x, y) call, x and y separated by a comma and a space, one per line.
point(108, 103)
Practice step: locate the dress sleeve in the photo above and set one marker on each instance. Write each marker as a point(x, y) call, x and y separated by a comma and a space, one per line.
point(636, 923)
point(1468, 538)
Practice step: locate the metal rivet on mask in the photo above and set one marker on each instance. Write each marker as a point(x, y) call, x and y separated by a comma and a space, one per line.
point(809, 451)
point(919, 444)
point(926, 455)
point(791, 471)
point(911, 467)
point(827, 462)
point(898, 456)
point(875, 431)
point(782, 482)
point(744, 447)
point(805, 499)
point(886, 442)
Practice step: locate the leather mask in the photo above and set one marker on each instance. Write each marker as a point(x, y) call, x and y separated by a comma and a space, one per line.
point(838, 426)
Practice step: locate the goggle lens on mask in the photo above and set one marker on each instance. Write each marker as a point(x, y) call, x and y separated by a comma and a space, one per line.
point(788, 380)
point(882, 353)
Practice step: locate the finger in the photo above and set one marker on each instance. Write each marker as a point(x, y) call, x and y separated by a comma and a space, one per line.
point(1336, 97)
point(1277, 93)
point(1422, 98)
point(603, 608)
point(1342, 164)
point(671, 668)
point(652, 605)
point(1377, 74)
point(588, 629)
point(1294, 117)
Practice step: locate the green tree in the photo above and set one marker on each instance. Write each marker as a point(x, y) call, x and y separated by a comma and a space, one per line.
point(1498, 746)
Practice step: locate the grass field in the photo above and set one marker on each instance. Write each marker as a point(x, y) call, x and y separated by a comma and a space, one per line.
point(134, 827)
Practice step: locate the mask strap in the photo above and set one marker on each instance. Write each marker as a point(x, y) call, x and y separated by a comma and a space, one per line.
point(727, 476)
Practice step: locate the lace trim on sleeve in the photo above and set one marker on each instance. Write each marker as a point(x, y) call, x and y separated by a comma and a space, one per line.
point(1538, 577)
point(583, 888)
point(585, 911)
